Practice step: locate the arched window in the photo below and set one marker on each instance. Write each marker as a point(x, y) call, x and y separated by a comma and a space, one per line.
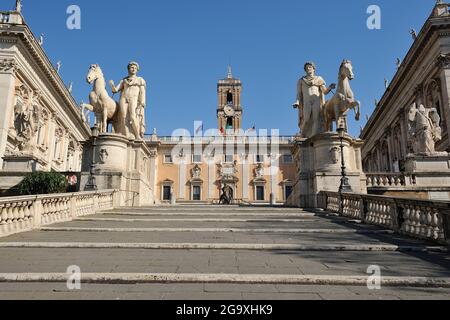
point(229, 97)
point(229, 123)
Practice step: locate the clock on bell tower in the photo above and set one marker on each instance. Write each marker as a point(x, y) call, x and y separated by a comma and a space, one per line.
point(229, 111)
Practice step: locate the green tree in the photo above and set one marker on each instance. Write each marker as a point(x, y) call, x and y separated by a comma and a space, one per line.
point(43, 183)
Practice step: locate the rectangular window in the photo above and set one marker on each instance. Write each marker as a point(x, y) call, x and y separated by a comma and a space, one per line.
point(260, 193)
point(259, 158)
point(288, 191)
point(166, 193)
point(196, 193)
point(287, 158)
point(168, 158)
point(197, 158)
point(229, 158)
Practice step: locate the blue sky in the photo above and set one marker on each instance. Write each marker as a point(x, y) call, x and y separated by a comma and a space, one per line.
point(184, 47)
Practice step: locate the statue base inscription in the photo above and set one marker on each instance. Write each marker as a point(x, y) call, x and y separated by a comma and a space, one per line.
point(320, 168)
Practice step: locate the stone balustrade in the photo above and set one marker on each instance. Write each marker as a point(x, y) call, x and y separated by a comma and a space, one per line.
point(4, 17)
point(387, 180)
point(233, 138)
point(21, 214)
point(429, 220)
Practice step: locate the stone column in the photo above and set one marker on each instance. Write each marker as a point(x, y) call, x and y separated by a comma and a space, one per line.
point(211, 177)
point(390, 148)
point(182, 178)
point(445, 85)
point(245, 177)
point(79, 157)
point(380, 158)
point(65, 149)
point(153, 170)
point(403, 139)
point(274, 167)
point(8, 69)
point(52, 140)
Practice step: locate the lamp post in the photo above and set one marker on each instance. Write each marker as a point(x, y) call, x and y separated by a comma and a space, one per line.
point(344, 187)
point(92, 184)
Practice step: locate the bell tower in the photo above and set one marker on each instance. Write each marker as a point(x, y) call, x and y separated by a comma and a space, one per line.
point(229, 111)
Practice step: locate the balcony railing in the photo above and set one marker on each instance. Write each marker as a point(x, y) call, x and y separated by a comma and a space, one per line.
point(387, 180)
point(21, 214)
point(224, 139)
point(428, 220)
point(4, 17)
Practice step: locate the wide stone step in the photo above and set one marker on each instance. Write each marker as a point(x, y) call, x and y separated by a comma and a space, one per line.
point(208, 209)
point(228, 246)
point(213, 291)
point(210, 223)
point(186, 220)
point(270, 230)
point(136, 278)
point(213, 213)
point(213, 237)
point(180, 261)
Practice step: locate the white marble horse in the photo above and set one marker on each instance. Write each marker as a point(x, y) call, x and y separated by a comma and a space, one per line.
point(343, 100)
point(104, 107)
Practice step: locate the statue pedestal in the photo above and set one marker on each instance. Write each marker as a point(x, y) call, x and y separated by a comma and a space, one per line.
point(20, 163)
point(121, 164)
point(319, 165)
point(440, 162)
point(430, 175)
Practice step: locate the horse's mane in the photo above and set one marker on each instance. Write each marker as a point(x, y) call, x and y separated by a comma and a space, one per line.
point(98, 69)
point(342, 65)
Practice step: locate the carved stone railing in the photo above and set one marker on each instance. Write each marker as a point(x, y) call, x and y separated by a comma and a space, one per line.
point(21, 214)
point(12, 17)
point(231, 138)
point(428, 220)
point(387, 180)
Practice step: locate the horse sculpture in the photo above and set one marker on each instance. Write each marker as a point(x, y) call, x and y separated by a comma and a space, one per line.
point(104, 107)
point(343, 100)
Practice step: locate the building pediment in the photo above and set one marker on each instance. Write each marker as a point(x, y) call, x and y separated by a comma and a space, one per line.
point(259, 180)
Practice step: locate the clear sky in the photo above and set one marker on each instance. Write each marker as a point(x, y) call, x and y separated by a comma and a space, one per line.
point(184, 47)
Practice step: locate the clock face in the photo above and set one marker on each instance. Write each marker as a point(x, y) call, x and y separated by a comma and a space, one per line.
point(229, 110)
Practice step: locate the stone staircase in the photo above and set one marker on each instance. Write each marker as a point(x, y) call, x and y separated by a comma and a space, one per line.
point(215, 252)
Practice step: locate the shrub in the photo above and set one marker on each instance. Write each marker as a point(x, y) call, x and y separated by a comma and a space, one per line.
point(43, 183)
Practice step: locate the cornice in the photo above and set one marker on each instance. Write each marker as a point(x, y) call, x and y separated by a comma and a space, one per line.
point(429, 31)
point(22, 34)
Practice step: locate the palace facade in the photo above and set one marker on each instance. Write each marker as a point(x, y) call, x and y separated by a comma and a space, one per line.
point(259, 169)
point(41, 128)
point(391, 135)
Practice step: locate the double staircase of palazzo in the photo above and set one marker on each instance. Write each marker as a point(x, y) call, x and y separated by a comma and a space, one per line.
point(218, 252)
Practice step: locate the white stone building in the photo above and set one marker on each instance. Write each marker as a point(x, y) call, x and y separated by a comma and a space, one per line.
point(390, 150)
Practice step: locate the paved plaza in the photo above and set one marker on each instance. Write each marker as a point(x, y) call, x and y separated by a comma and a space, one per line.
point(211, 252)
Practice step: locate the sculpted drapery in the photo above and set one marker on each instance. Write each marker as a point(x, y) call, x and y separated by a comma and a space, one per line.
point(311, 92)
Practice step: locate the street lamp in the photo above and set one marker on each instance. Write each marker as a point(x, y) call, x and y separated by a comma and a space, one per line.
point(345, 186)
point(92, 184)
